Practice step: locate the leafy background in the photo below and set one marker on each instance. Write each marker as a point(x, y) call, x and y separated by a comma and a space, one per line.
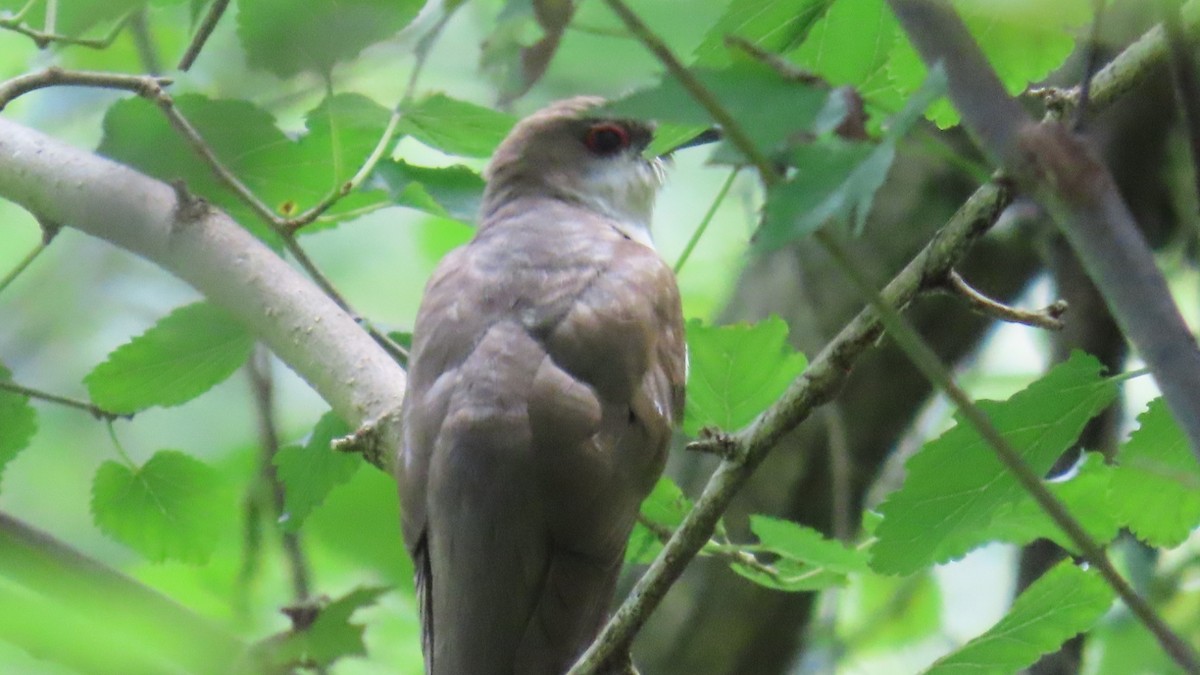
point(168, 497)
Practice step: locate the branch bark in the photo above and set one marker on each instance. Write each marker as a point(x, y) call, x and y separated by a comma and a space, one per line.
point(1066, 176)
point(205, 248)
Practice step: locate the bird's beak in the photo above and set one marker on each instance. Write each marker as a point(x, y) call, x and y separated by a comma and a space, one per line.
point(710, 135)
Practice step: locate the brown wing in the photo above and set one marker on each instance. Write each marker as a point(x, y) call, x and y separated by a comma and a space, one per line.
point(547, 372)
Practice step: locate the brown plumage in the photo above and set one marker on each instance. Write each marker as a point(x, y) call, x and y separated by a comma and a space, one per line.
point(547, 372)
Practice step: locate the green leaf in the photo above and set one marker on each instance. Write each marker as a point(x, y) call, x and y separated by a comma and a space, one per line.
point(456, 127)
point(76, 18)
point(773, 25)
point(666, 506)
point(804, 559)
point(1156, 484)
point(18, 421)
point(752, 93)
point(310, 471)
point(1084, 491)
point(1064, 602)
point(453, 191)
point(1024, 40)
point(164, 509)
point(185, 354)
point(286, 175)
point(736, 372)
point(955, 484)
point(850, 45)
point(332, 635)
point(837, 179)
point(286, 38)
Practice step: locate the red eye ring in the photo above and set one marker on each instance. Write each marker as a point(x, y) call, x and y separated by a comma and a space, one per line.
point(606, 138)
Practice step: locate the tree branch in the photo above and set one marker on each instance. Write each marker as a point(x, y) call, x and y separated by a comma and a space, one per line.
point(1067, 177)
point(310, 333)
point(89, 588)
point(825, 373)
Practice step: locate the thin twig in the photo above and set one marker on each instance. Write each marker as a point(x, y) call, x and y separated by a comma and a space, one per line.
point(731, 554)
point(1049, 317)
point(142, 85)
point(826, 373)
point(704, 222)
point(262, 385)
point(927, 361)
point(785, 69)
point(86, 406)
point(22, 265)
point(203, 31)
point(43, 38)
point(421, 53)
point(147, 51)
point(1091, 52)
point(1187, 85)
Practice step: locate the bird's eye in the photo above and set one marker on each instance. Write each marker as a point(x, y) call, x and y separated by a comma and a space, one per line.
point(606, 139)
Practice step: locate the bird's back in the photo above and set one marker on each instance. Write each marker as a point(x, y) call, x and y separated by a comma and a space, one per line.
point(547, 372)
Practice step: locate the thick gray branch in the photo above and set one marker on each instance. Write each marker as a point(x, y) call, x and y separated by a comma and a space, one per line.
point(202, 246)
point(1064, 174)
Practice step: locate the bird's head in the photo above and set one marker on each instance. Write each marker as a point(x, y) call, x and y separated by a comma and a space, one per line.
point(565, 152)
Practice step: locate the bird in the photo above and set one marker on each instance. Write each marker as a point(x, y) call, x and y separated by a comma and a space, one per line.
point(547, 371)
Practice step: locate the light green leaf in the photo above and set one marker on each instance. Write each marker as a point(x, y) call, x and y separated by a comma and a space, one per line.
point(1156, 484)
point(956, 485)
point(773, 25)
point(287, 39)
point(331, 636)
point(736, 372)
point(850, 45)
point(456, 127)
point(804, 559)
point(287, 175)
point(1064, 602)
point(18, 421)
point(1024, 40)
point(185, 354)
point(666, 506)
point(165, 509)
point(453, 191)
point(308, 472)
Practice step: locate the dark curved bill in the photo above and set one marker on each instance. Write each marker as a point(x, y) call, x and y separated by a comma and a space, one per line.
point(711, 135)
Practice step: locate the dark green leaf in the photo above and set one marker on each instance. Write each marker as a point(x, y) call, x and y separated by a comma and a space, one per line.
point(308, 472)
point(1156, 484)
point(185, 354)
point(1086, 494)
point(836, 179)
point(1064, 602)
point(164, 509)
point(773, 25)
point(456, 127)
point(18, 421)
point(736, 372)
point(287, 38)
point(453, 191)
point(955, 484)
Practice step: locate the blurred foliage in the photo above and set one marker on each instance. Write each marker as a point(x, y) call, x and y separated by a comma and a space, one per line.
point(215, 534)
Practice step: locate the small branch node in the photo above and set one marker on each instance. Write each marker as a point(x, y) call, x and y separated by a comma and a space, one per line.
point(1049, 317)
point(713, 441)
point(368, 442)
point(189, 207)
